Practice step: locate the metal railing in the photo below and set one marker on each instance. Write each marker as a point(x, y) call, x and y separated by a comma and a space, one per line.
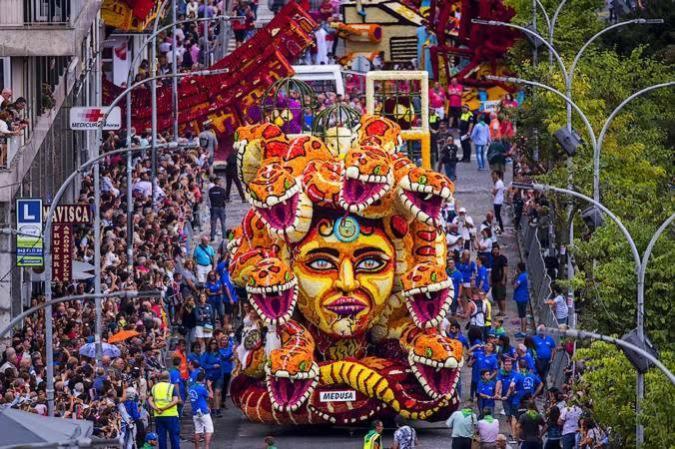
point(540, 291)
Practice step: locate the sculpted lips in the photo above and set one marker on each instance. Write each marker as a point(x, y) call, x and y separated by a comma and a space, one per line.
point(345, 306)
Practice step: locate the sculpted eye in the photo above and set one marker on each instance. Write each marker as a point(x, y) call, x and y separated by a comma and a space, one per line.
point(370, 264)
point(322, 265)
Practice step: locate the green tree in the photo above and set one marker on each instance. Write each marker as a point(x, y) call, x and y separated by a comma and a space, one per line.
point(607, 386)
point(636, 171)
point(636, 184)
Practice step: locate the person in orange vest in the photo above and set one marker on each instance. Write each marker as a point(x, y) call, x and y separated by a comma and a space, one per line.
point(180, 353)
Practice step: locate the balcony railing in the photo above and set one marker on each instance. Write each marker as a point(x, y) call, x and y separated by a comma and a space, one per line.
point(40, 12)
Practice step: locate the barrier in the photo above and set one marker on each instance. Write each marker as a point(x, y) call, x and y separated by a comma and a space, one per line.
point(540, 291)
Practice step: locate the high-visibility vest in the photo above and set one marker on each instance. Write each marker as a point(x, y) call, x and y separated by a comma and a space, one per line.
point(372, 440)
point(466, 116)
point(488, 313)
point(162, 395)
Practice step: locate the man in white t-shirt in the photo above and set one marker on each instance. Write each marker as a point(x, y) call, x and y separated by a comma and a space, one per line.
point(569, 420)
point(559, 305)
point(465, 227)
point(498, 197)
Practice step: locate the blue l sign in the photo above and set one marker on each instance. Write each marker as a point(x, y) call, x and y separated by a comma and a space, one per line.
point(29, 251)
point(29, 211)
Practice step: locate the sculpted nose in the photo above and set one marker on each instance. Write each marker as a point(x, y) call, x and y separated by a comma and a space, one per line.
point(347, 281)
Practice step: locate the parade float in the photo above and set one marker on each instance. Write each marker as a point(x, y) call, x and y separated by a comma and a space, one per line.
point(438, 36)
point(343, 259)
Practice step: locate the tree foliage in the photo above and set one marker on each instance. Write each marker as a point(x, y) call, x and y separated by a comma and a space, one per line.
point(608, 386)
point(636, 180)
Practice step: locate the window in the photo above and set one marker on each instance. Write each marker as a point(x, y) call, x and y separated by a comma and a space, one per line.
point(5, 73)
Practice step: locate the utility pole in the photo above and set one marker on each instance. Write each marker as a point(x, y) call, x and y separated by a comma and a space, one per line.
point(174, 69)
point(97, 201)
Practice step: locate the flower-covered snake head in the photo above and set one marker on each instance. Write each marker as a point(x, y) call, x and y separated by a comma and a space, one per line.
point(291, 372)
point(436, 361)
point(273, 290)
point(368, 175)
point(380, 131)
point(428, 293)
point(423, 192)
point(276, 197)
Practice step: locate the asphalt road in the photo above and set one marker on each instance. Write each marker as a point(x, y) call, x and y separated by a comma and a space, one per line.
point(233, 431)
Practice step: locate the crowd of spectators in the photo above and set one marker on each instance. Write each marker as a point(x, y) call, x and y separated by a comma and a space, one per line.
point(162, 261)
point(12, 121)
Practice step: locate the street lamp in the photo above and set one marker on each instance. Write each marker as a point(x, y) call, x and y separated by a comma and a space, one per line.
point(581, 335)
point(640, 270)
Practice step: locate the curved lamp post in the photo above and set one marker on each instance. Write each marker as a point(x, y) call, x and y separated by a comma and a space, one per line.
point(640, 271)
point(579, 334)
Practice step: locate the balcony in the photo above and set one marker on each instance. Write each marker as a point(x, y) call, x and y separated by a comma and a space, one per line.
point(45, 27)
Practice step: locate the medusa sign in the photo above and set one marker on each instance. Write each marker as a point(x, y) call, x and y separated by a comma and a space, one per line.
point(344, 260)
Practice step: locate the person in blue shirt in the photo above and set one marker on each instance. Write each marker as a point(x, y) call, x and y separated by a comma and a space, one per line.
point(226, 343)
point(480, 135)
point(195, 353)
point(489, 361)
point(204, 256)
point(456, 277)
point(545, 347)
point(504, 377)
point(201, 415)
point(130, 402)
point(195, 368)
point(475, 361)
point(214, 292)
point(521, 296)
point(230, 299)
point(178, 382)
point(486, 391)
point(455, 332)
point(482, 275)
point(525, 356)
point(212, 363)
point(524, 382)
point(467, 267)
point(507, 351)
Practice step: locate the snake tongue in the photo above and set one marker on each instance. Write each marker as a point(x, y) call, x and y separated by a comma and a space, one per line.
point(281, 215)
point(289, 394)
point(357, 192)
point(428, 203)
point(428, 306)
point(441, 381)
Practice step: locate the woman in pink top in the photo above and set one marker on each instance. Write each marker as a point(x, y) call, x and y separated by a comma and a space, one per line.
point(437, 100)
point(495, 127)
point(455, 91)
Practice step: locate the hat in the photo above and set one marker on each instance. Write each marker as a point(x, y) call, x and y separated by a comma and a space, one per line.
point(152, 436)
point(462, 210)
point(491, 333)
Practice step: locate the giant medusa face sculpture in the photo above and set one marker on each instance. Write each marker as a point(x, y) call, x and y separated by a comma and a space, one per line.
point(345, 268)
point(343, 258)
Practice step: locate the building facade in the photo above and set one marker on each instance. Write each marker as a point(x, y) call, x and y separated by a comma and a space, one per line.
point(47, 57)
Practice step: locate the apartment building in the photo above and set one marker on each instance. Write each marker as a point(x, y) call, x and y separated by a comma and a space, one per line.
point(47, 49)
